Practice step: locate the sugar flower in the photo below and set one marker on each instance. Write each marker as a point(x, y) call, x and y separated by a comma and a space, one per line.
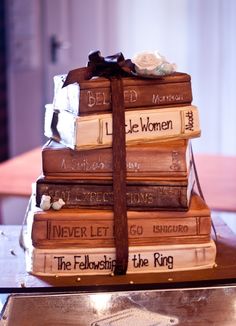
point(152, 64)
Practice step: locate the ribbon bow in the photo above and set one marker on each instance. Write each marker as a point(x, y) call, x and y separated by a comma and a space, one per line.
point(110, 66)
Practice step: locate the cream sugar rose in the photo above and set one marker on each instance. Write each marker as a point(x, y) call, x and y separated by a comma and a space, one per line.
point(152, 64)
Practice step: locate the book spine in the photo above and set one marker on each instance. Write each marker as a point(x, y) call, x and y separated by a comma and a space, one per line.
point(149, 197)
point(168, 160)
point(101, 261)
point(97, 100)
point(94, 96)
point(140, 127)
point(99, 232)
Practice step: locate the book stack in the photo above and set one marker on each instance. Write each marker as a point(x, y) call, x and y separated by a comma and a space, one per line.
point(71, 222)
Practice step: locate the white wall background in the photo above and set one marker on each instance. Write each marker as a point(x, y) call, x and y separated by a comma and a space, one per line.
point(199, 35)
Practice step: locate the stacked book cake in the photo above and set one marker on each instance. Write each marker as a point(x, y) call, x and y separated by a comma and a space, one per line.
point(74, 222)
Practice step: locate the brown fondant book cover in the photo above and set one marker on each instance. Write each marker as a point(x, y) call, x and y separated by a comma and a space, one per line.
point(151, 160)
point(95, 228)
point(165, 193)
point(94, 96)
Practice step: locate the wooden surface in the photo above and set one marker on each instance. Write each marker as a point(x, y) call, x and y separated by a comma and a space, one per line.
point(14, 277)
point(217, 176)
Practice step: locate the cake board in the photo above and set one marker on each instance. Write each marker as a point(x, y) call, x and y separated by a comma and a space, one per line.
point(190, 306)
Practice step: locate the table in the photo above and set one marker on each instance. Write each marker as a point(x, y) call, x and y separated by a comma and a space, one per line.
point(217, 175)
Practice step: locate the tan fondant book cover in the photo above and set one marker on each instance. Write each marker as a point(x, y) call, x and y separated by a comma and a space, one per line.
point(95, 131)
point(102, 261)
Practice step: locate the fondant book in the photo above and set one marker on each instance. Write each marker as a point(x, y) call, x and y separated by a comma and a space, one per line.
point(102, 261)
point(94, 96)
point(95, 131)
point(171, 159)
point(165, 193)
point(86, 228)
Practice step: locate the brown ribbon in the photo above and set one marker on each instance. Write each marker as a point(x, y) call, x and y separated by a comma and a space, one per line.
point(119, 176)
point(113, 67)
